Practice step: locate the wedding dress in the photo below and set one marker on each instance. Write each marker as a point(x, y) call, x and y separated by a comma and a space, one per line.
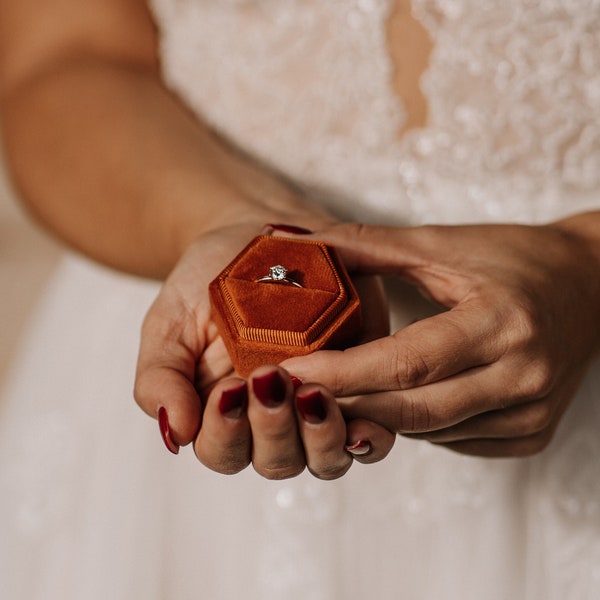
point(93, 507)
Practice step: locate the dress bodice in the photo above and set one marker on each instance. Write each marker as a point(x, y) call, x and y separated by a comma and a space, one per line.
point(513, 134)
point(96, 508)
point(513, 90)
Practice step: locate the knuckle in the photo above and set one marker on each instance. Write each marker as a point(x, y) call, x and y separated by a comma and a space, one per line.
point(537, 380)
point(356, 230)
point(537, 417)
point(524, 323)
point(413, 416)
point(138, 392)
point(279, 472)
point(156, 324)
point(329, 472)
point(409, 367)
point(142, 392)
point(338, 385)
point(533, 445)
point(230, 461)
point(224, 467)
point(279, 436)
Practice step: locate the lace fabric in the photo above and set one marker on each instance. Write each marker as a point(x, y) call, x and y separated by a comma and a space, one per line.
point(304, 85)
point(513, 134)
point(513, 91)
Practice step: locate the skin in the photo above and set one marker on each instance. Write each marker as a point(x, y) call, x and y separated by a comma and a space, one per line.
point(112, 163)
point(493, 374)
point(149, 189)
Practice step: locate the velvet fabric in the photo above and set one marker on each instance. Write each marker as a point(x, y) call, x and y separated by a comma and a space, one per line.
point(265, 322)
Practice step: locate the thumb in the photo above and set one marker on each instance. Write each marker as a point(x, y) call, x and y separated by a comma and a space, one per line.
point(164, 384)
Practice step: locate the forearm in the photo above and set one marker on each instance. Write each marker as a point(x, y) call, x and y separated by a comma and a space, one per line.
point(111, 162)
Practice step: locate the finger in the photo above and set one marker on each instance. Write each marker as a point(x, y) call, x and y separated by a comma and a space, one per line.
point(323, 432)
point(426, 351)
point(368, 442)
point(541, 424)
point(527, 419)
point(375, 318)
point(509, 448)
point(277, 451)
point(224, 442)
point(214, 363)
point(165, 375)
point(422, 255)
point(374, 249)
point(519, 421)
point(446, 403)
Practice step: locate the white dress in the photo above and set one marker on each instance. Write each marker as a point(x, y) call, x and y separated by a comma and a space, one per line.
point(91, 504)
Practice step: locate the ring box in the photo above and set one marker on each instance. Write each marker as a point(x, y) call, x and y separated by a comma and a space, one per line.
point(265, 322)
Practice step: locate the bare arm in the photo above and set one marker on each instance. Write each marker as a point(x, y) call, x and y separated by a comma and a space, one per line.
point(109, 160)
point(103, 154)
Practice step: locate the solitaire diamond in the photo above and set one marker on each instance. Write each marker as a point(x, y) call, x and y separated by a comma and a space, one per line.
point(278, 273)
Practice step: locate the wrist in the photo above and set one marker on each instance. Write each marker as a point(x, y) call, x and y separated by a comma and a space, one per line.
point(584, 229)
point(241, 210)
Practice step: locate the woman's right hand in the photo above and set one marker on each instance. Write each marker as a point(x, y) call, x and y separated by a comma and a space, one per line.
point(185, 379)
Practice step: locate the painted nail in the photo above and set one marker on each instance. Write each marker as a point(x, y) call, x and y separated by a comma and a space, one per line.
point(270, 389)
point(312, 407)
point(289, 228)
point(233, 402)
point(360, 448)
point(296, 382)
point(165, 430)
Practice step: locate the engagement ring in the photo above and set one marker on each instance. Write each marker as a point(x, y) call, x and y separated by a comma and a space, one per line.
point(278, 274)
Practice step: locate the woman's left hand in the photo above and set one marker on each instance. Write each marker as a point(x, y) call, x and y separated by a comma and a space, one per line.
point(185, 378)
point(493, 375)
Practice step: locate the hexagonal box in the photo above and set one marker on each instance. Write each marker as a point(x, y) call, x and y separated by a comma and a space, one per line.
point(284, 297)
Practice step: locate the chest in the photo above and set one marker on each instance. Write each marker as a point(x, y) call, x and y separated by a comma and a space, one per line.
point(327, 91)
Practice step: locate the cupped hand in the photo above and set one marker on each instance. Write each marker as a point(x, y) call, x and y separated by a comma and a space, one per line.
point(185, 379)
point(493, 374)
point(181, 353)
point(281, 426)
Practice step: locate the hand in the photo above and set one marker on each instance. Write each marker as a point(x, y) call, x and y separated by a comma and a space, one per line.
point(183, 363)
point(281, 426)
point(491, 376)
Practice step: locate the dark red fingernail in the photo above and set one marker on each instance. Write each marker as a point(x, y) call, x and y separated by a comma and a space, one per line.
point(269, 389)
point(312, 407)
point(359, 448)
point(289, 228)
point(165, 430)
point(296, 382)
point(233, 402)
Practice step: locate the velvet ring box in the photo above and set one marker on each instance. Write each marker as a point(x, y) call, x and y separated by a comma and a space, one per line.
point(267, 321)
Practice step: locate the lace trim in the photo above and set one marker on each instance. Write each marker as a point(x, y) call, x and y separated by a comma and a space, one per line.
point(513, 89)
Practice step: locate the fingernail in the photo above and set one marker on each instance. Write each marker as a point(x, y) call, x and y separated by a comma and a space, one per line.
point(359, 448)
point(289, 228)
point(233, 402)
point(269, 389)
point(312, 407)
point(165, 430)
point(296, 382)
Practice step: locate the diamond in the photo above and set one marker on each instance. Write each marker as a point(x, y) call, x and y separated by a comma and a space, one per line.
point(277, 273)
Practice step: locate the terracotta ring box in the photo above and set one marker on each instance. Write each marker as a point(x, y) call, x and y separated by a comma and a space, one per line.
point(265, 322)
